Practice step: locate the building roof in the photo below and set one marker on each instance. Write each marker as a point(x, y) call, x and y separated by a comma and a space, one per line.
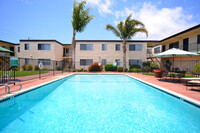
point(9, 42)
point(36, 40)
point(182, 32)
point(117, 41)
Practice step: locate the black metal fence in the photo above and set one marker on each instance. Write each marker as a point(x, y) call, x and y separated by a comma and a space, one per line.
point(28, 69)
point(181, 65)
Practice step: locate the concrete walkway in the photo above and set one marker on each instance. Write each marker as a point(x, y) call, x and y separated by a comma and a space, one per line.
point(176, 87)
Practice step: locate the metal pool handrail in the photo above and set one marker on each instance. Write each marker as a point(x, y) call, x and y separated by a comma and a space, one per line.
point(13, 82)
point(6, 86)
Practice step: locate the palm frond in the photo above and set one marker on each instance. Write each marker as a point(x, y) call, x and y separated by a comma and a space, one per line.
point(80, 17)
point(113, 29)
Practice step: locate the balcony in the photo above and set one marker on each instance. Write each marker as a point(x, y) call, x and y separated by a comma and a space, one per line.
point(67, 55)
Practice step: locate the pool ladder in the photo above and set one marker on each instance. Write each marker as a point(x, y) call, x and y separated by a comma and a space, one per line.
point(7, 87)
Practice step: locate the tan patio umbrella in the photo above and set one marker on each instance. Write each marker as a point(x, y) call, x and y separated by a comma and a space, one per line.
point(174, 52)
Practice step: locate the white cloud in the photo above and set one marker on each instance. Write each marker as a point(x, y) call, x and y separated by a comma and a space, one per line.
point(103, 6)
point(160, 23)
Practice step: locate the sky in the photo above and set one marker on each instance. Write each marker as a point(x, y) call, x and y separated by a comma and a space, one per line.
point(51, 19)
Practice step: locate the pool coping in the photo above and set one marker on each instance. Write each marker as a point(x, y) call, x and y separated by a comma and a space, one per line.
point(16, 93)
point(172, 93)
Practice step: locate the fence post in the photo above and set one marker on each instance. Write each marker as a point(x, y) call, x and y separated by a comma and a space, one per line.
point(39, 74)
point(62, 66)
point(53, 68)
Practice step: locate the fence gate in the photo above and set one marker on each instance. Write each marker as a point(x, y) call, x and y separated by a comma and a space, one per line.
point(6, 73)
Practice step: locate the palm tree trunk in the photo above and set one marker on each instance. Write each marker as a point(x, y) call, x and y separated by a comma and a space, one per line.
point(124, 55)
point(74, 49)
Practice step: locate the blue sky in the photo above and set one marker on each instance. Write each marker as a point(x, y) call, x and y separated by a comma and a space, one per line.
point(51, 19)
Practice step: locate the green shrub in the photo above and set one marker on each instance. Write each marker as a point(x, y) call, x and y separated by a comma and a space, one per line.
point(36, 68)
point(120, 69)
point(135, 66)
point(154, 66)
point(29, 67)
point(197, 68)
point(16, 69)
point(126, 69)
point(135, 70)
point(95, 67)
point(146, 69)
point(146, 63)
point(58, 68)
point(82, 70)
point(24, 67)
point(110, 67)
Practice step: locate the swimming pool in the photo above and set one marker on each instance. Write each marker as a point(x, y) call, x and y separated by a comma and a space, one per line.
point(100, 103)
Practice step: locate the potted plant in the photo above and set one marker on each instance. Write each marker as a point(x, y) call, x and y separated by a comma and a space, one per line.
point(158, 72)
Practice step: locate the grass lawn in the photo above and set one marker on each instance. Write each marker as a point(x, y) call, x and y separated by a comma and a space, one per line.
point(153, 74)
point(150, 74)
point(25, 73)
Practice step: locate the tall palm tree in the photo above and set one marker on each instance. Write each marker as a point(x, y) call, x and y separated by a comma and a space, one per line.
point(80, 18)
point(126, 30)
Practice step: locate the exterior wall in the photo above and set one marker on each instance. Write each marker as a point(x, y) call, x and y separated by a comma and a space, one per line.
point(192, 40)
point(33, 52)
point(110, 54)
point(184, 63)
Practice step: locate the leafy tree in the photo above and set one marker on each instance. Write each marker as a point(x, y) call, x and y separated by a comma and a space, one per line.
point(126, 30)
point(80, 18)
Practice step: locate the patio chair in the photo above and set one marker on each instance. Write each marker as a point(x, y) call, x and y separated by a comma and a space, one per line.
point(192, 84)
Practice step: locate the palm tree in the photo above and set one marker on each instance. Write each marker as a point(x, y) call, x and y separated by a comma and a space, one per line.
point(80, 18)
point(126, 30)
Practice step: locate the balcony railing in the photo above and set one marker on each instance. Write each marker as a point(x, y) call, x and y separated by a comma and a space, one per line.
point(67, 55)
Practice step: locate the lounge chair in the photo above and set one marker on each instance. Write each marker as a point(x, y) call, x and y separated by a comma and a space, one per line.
point(193, 83)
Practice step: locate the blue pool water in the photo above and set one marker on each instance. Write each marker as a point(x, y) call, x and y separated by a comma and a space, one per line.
point(98, 103)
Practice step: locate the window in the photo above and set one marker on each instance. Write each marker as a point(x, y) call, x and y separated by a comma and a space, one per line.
point(86, 62)
point(104, 62)
point(26, 46)
point(149, 51)
point(104, 47)
point(185, 44)
point(163, 48)
point(135, 62)
point(118, 62)
point(198, 39)
point(27, 61)
point(12, 49)
point(45, 62)
point(44, 46)
point(135, 47)
point(174, 45)
point(157, 50)
point(117, 47)
point(64, 52)
point(18, 49)
point(86, 47)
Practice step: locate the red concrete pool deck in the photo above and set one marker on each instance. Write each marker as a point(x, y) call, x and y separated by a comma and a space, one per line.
point(176, 87)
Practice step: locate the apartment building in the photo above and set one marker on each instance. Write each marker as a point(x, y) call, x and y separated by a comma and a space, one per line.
point(188, 40)
point(36, 51)
point(110, 51)
point(9, 46)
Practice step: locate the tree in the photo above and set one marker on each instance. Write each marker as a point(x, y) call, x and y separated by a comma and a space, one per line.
point(80, 18)
point(126, 30)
